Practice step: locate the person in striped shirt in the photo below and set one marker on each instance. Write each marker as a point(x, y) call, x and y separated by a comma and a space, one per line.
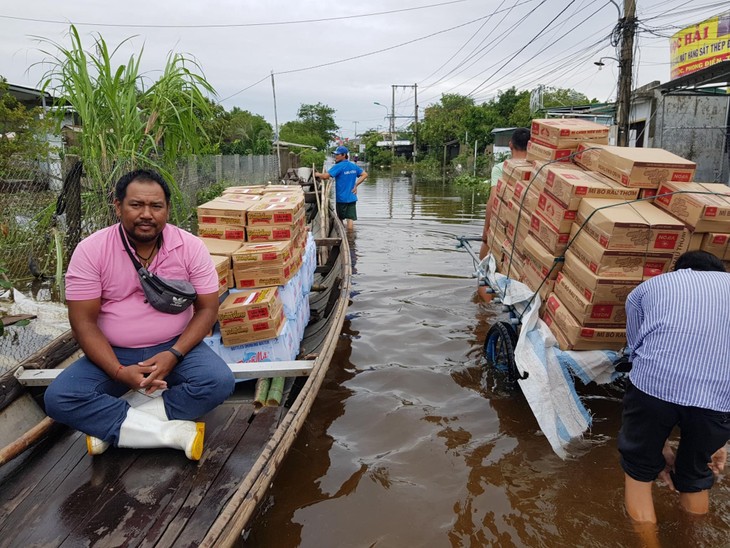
point(678, 330)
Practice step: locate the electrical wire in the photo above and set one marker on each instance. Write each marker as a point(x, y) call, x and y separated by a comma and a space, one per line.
point(234, 25)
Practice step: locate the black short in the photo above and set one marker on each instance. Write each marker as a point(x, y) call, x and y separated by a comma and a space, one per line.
point(347, 210)
point(648, 421)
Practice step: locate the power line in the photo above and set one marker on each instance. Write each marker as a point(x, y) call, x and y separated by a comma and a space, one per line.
point(471, 93)
point(233, 25)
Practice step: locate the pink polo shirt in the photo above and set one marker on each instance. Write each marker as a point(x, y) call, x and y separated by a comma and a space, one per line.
point(100, 267)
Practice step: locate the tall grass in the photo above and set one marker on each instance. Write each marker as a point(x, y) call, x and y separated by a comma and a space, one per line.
point(127, 124)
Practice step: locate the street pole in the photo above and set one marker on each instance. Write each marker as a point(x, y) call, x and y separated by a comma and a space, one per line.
point(392, 124)
point(415, 127)
point(276, 130)
point(628, 28)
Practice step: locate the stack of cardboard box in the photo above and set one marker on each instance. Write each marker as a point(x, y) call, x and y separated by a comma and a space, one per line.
point(558, 138)
point(616, 242)
point(256, 236)
point(251, 315)
point(705, 213)
point(221, 252)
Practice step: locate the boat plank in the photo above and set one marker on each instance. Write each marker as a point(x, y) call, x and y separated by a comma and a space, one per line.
point(192, 524)
point(163, 483)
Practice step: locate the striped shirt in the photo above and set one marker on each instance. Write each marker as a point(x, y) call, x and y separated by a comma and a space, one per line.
point(678, 329)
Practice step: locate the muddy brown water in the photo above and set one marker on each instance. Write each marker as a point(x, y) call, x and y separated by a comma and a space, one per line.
point(412, 441)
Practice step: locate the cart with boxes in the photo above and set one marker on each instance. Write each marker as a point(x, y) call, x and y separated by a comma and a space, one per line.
point(581, 223)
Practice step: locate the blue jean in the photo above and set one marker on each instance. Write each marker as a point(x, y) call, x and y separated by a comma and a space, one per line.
point(85, 398)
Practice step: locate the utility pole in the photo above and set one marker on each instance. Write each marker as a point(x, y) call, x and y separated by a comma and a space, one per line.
point(626, 65)
point(392, 123)
point(276, 130)
point(355, 122)
point(415, 127)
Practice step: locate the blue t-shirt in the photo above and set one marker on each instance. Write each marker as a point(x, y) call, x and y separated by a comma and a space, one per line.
point(345, 174)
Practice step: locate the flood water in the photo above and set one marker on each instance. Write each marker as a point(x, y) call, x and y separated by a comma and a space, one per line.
point(413, 442)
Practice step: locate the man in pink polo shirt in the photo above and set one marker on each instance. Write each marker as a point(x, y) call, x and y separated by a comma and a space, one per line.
point(127, 343)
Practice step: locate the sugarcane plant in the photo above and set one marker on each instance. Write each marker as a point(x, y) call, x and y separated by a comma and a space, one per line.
point(127, 122)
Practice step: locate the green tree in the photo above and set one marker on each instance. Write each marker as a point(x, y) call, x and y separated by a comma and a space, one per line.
point(319, 119)
point(246, 133)
point(22, 132)
point(564, 97)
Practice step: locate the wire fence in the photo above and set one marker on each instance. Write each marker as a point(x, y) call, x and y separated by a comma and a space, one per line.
point(43, 216)
point(45, 211)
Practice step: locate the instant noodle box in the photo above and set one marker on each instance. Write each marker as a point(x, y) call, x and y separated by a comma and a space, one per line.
point(571, 335)
point(540, 152)
point(555, 242)
point(569, 187)
point(543, 261)
point(254, 190)
point(277, 211)
point(235, 326)
point(222, 267)
point(221, 247)
point(587, 154)
point(555, 213)
point(517, 170)
point(254, 304)
point(596, 289)
point(630, 265)
point(586, 313)
point(717, 244)
point(567, 132)
point(701, 212)
point(222, 232)
point(256, 335)
point(638, 226)
point(644, 167)
point(533, 278)
point(223, 212)
point(264, 252)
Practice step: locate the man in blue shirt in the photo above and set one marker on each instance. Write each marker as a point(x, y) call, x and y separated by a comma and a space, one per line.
point(348, 177)
point(678, 328)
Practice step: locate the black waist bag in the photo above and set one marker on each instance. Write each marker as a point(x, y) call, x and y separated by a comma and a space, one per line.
point(169, 296)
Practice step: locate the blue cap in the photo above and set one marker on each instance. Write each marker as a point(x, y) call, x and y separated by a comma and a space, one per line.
point(342, 150)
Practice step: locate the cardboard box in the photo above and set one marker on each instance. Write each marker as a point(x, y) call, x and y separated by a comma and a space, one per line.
point(555, 213)
point(263, 253)
point(533, 278)
point(717, 244)
point(570, 186)
point(263, 277)
point(525, 197)
point(255, 304)
point(644, 167)
point(621, 226)
point(700, 212)
point(255, 190)
point(573, 336)
point(220, 211)
point(234, 326)
point(222, 232)
point(544, 261)
point(540, 152)
point(221, 247)
point(567, 132)
point(275, 211)
point(605, 263)
point(586, 313)
point(222, 264)
point(273, 233)
point(261, 335)
point(596, 289)
point(517, 170)
point(587, 155)
point(555, 242)
point(281, 189)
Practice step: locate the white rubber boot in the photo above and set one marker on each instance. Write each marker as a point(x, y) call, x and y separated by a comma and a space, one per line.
point(144, 431)
point(154, 407)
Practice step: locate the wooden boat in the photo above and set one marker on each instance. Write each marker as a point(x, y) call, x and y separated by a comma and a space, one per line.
point(55, 494)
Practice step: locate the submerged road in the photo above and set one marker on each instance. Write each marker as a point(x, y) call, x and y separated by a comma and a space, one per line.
point(412, 443)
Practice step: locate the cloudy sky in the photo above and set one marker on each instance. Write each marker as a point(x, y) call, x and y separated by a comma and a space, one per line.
point(348, 55)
